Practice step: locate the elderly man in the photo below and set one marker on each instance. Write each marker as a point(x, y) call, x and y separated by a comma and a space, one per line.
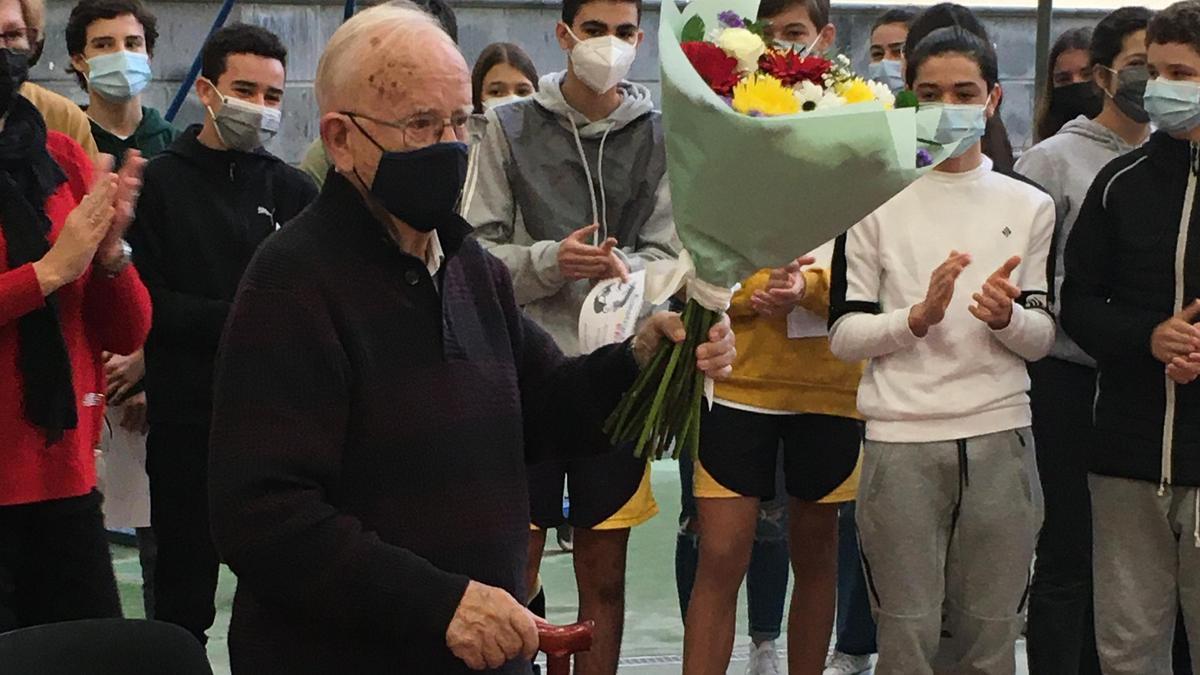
point(379, 393)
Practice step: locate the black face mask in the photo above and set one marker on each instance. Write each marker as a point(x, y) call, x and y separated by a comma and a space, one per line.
point(1131, 93)
point(1073, 100)
point(420, 187)
point(14, 70)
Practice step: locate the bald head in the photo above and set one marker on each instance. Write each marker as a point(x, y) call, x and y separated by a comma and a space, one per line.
point(389, 58)
point(388, 80)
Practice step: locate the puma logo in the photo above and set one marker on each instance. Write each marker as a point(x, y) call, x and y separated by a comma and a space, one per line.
point(264, 211)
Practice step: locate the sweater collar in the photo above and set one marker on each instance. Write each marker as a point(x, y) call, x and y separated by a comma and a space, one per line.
point(985, 167)
point(340, 201)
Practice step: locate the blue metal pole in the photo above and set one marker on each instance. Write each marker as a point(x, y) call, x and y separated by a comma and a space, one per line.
point(349, 10)
point(194, 71)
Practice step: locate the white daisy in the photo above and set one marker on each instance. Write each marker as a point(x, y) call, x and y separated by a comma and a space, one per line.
point(809, 95)
point(882, 93)
point(830, 100)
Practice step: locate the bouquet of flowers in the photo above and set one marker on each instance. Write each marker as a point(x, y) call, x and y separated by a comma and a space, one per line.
point(760, 79)
point(770, 153)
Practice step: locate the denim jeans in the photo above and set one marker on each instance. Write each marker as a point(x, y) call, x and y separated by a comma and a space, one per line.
point(767, 578)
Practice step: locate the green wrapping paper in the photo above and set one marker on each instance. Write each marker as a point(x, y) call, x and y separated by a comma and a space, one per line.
point(750, 193)
point(756, 192)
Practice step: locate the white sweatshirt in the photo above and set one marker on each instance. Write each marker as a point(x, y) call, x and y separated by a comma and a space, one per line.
point(962, 379)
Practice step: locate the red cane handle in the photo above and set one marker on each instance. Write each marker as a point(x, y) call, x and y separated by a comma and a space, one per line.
point(565, 640)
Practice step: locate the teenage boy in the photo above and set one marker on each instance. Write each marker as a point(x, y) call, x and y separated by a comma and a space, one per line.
point(1061, 636)
point(949, 504)
point(888, 34)
point(110, 43)
point(799, 24)
point(207, 203)
point(1130, 300)
point(571, 189)
point(996, 144)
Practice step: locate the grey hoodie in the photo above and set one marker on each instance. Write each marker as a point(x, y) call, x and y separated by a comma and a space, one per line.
point(541, 170)
point(1065, 165)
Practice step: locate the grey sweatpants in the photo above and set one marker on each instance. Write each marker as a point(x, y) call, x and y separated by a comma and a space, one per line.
point(948, 532)
point(1146, 564)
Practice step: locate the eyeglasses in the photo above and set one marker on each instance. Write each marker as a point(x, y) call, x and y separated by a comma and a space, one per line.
point(18, 38)
point(422, 129)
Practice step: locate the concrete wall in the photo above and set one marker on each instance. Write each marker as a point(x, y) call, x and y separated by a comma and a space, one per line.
point(306, 25)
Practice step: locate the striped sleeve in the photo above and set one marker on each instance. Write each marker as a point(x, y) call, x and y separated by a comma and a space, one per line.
point(859, 329)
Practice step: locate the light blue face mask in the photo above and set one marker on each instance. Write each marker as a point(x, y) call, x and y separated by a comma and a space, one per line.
point(960, 124)
point(1173, 105)
point(119, 76)
point(887, 72)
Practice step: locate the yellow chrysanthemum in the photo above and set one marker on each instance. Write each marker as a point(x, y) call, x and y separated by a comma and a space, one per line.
point(856, 91)
point(764, 95)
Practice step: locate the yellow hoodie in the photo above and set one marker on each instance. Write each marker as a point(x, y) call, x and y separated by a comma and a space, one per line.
point(775, 372)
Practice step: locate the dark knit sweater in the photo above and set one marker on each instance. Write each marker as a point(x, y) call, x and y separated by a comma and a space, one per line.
point(369, 442)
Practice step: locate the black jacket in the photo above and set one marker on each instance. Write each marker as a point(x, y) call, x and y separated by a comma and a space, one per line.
point(1121, 282)
point(201, 216)
point(369, 442)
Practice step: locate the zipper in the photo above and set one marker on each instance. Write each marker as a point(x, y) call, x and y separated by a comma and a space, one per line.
point(1189, 198)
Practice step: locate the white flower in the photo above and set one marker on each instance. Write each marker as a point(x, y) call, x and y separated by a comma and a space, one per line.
point(744, 46)
point(809, 95)
point(882, 93)
point(831, 100)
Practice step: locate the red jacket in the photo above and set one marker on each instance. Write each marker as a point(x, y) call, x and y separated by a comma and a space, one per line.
point(97, 314)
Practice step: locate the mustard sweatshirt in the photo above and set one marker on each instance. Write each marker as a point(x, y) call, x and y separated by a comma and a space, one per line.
point(775, 372)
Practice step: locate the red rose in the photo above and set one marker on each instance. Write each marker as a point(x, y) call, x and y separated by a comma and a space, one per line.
point(790, 68)
point(718, 69)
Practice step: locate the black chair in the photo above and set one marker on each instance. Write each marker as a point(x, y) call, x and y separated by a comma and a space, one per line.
point(102, 647)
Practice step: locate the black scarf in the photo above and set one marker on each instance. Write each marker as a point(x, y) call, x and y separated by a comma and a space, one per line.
point(28, 177)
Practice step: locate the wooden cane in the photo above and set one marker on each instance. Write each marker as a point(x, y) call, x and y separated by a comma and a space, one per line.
point(560, 642)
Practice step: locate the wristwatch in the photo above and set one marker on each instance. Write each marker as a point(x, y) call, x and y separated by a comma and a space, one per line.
point(115, 268)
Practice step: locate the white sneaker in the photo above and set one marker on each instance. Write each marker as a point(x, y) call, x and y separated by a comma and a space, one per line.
point(763, 660)
point(845, 664)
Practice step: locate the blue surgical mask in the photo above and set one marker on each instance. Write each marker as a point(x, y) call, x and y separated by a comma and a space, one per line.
point(1173, 105)
point(887, 72)
point(960, 126)
point(119, 76)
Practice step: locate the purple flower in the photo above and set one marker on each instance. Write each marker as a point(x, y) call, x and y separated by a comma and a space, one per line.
point(924, 159)
point(731, 19)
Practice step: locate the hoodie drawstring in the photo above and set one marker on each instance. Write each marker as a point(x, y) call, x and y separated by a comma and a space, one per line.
point(599, 212)
point(603, 197)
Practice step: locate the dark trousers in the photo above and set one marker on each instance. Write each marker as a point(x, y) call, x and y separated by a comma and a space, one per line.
point(855, 626)
point(148, 557)
point(185, 578)
point(55, 564)
point(1061, 632)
